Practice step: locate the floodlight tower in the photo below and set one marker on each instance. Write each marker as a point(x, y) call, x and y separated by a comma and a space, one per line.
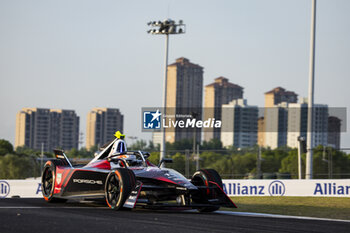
point(310, 112)
point(167, 27)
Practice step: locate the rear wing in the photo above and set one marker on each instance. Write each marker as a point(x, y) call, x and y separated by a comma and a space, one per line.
point(59, 154)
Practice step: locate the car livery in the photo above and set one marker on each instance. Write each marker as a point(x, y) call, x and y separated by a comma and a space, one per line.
point(129, 180)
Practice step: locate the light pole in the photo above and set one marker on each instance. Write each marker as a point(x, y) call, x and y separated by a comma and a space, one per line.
point(167, 27)
point(301, 144)
point(309, 156)
point(258, 164)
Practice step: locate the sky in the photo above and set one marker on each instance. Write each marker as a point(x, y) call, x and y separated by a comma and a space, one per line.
point(83, 54)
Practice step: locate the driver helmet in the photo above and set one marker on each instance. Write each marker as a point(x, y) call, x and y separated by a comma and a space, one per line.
point(119, 145)
point(119, 135)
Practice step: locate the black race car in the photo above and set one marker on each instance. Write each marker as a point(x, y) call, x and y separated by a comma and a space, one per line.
point(129, 180)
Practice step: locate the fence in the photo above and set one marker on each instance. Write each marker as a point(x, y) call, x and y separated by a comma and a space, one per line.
point(233, 163)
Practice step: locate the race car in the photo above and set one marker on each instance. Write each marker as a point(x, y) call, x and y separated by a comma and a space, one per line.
point(129, 180)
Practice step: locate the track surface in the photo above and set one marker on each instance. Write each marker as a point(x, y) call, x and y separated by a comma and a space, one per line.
point(35, 215)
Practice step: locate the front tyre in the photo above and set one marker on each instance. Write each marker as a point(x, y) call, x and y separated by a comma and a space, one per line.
point(119, 184)
point(202, 178)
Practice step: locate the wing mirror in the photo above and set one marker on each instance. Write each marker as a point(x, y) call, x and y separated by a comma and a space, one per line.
point(165, 160)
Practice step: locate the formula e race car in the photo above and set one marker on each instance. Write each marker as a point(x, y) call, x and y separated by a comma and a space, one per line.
point(129, 180)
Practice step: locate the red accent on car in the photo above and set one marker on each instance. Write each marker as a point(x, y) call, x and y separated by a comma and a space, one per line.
point(165, 179)
point(138, 194)
point(103, 164)
point(64, 179)
point(150, 164)
point(223, 192)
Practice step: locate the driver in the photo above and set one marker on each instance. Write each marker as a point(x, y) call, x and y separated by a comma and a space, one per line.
point(119, 146)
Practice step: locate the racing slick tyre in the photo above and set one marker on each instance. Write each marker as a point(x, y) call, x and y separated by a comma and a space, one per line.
point(202, 178)
point(48, 180)
point(119, 184)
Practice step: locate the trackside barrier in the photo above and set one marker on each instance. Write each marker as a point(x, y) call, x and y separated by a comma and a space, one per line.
point(307, 188)
point(21, 188)
point(310, 188)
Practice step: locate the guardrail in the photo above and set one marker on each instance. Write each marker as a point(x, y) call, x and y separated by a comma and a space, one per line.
point(311, 188)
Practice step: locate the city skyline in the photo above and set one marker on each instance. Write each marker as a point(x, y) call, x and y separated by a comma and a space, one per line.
point(102, 123)
point(80, 56)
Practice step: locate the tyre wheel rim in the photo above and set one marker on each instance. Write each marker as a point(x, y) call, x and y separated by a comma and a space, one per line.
point(47, 181)
point(113, 190)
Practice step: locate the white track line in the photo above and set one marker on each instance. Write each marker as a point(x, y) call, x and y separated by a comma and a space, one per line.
point(261, 215)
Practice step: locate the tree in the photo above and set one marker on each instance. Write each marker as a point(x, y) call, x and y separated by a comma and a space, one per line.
point(224, 167)
point(24, 150)
point(321, 162)
point(5, 147)
point(184, 144)
point(209, 158)
point(272, 159)
point(178, 163)
point(154, 158)
point(289, 164)
point(138, 145)
point(151, 147)
point(213, 144)
point(82, 152)
point(14, 166)
point(73, 153)
point(244, 164)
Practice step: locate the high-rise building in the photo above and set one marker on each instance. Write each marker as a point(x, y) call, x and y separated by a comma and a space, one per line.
point(297, 124)
point(239, 124)
point(184, 96)
point(261, 131)
point(275, 121)
point(220, 92)
point(320, 125)
point(102, 123)
point(279, 95)
point(334, 129)
point(274, 98)
point(50, 128)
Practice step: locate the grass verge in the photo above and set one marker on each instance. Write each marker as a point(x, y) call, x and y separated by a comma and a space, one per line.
point(321, 207)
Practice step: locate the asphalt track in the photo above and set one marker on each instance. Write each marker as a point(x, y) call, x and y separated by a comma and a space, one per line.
point(35, 215)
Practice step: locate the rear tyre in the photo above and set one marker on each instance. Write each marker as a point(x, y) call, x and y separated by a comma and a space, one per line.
point(48, 180)
point(203, 177)
point(119, 184)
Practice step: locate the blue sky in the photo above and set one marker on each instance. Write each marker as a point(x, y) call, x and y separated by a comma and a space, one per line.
point(85, 53)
